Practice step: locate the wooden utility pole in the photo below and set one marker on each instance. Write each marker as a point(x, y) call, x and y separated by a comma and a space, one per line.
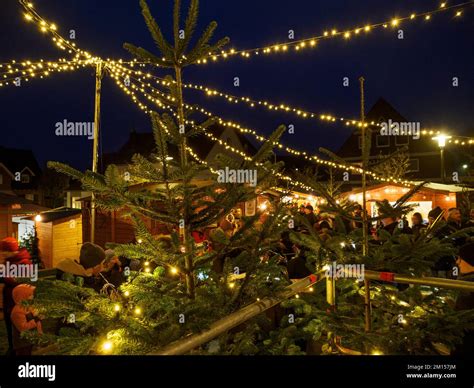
point(95, 151)
point(365, 245)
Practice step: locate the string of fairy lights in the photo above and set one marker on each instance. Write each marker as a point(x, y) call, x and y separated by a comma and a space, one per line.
point(14, 72)
point(115, 68)
point(297, 46)
point(144, 79)
point(192, 152)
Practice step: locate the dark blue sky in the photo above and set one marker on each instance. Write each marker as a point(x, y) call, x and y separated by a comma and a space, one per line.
point(413, 74)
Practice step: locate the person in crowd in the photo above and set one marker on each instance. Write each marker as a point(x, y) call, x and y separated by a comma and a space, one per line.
point(434, 214)
point(356, 213)
point(23, 319)
point(86, 270)
point(297, 268)
point(390, 224)
point(454, 219)
point(324, 230)
point(417, 223)
point(465, 301)
point(302, 209)
point(219, 234)
point(309, 214)
point(470, 222)
point(11, 253)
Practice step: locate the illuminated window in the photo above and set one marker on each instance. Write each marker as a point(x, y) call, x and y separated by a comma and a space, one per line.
point(25, 178)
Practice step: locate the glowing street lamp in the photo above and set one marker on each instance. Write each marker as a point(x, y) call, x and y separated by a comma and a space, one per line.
point(441, 144)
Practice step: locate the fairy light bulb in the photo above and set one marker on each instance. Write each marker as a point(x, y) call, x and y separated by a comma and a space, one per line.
point(107, 346)
point(116, 307)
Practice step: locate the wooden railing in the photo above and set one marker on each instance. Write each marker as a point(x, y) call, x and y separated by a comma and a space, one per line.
point(223, 325)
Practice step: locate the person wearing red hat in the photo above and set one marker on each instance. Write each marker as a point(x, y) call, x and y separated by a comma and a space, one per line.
point(11, 253)
point(24, 319)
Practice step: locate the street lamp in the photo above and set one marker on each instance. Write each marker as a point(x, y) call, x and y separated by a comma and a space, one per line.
point(441, 144)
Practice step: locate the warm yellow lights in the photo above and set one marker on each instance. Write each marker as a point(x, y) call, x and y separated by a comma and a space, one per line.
point(126, 293)
point(28, 17)
point(137, 311)
point(441, 140)
point(116, 307)
point(376, 352)
point(395, 22)
point(231, 285)
point(458, 13)
point(427, 17)
point(106, 347)
point(174, 270)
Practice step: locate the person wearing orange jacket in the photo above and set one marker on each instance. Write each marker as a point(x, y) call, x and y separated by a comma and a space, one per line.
point(12, 253)
point(23, 319)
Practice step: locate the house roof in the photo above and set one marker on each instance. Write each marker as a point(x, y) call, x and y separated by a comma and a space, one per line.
point(56, 214)
point(144, 144)
point(16, 160)
point(428, 186)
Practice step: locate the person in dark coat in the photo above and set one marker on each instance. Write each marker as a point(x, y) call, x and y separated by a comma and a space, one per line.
point(297, 268)
point(309, 214)
point(86, 271)
point(417, 224)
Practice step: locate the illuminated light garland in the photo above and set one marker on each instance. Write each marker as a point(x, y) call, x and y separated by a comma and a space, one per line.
point(226, 146)
point(143, 77)
point(61, 41)
point(312, 158)
point(301, 113)
point(27, 76)
point(312, 42)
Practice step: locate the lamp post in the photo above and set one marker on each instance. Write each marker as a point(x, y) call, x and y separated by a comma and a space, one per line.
point(441, 144)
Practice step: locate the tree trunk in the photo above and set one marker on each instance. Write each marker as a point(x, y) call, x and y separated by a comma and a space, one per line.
point(188, 261)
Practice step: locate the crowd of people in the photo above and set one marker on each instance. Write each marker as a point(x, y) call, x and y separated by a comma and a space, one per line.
point(96, 267)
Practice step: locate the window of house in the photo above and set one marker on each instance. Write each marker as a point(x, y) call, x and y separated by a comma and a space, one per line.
point(382, 141)
point(414, 165)
point(25, 178)
point(30, 197)
point(401, 140)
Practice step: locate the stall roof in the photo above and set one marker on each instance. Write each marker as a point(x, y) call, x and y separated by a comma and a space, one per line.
point(430, 186)
point(56, 214)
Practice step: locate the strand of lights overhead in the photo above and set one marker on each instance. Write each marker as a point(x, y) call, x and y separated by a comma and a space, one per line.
point(144, 78)
point(226, 146)
point(27, 76)
point(260, 138)
point(312, 42)
point(301, 113)
point(24, 69)
point(31, 15)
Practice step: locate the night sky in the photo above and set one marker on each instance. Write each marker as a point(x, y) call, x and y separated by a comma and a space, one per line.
point(414, 74)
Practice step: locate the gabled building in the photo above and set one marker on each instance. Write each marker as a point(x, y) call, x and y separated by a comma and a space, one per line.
point(20, 173)
point(423, 152)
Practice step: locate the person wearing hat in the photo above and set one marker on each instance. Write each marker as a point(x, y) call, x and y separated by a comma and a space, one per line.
point(465, 300)
point(434, 214)
point(85, 270)
point(11, 253)
point(24, 319)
